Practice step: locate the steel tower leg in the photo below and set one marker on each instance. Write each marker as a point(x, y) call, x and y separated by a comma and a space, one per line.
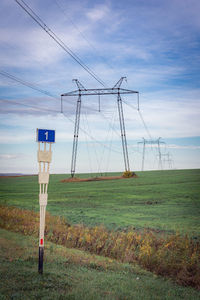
point(123, 133)
point(143, 154)
point(76, 132)
point(160, 167)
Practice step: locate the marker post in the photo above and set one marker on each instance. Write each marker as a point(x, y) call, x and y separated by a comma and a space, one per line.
point(44, 137)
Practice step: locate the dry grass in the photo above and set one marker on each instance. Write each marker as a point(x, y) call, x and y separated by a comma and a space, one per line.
point(174, 256)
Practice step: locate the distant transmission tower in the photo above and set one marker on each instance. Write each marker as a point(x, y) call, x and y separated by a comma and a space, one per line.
point(157, 142)
point(82, 91)
point(168, 159)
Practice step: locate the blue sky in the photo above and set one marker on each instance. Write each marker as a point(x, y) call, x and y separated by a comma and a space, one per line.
point(155, 44)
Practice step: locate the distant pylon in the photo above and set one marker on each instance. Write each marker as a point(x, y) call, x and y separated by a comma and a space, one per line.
point(168, 159)
point(157, 142)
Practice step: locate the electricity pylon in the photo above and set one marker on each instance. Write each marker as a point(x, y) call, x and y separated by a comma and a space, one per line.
point(168, 159)
point(157, 142)
point(82, 91)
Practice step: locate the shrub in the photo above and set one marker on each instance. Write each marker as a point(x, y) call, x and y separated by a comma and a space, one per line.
point(174, 255)
point(128, 174)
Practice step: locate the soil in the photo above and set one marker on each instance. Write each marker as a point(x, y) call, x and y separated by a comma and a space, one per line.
point(76, 179)
point(13, 176)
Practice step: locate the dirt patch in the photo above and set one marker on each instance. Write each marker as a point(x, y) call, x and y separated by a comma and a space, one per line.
point(13, 176)
point(76, 179)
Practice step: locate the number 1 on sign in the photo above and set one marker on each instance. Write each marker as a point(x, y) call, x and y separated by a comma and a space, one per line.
point(46, 133)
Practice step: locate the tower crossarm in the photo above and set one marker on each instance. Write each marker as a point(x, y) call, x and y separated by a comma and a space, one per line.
point(118, 84)
point(151, 142)
point(79, 85)
point(107, 91)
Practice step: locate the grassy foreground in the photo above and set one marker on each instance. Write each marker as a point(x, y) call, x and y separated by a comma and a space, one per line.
point(174, 256)
point(73, 274)
point(162, 200)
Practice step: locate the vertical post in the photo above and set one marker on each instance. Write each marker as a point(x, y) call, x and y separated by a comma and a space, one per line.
point(41, 234)
point(61, 105)
point(138, 101)
point(160, 167)
point(44, 159)
point(99, 103)
point(76, 133)
point(143, 153)
point(123, 133)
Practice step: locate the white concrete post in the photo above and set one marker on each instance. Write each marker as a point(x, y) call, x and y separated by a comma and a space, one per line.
point(44, 158)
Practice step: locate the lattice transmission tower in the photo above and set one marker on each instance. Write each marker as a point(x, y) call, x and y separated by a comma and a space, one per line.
point(168, 159)
point(82, 91)
point(157, 142)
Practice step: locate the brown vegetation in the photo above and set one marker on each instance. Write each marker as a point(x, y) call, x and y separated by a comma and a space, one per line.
point(126, 174)
point(175, 256)
point(129, 174)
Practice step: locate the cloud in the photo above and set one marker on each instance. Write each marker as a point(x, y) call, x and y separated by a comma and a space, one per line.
point(166, 146)
point(189, 147)
point(166, 114)
point(33, 48)
point(154, 43)
point(97, 13)
point(30, 106)
point(9, 156)
point(30, 46)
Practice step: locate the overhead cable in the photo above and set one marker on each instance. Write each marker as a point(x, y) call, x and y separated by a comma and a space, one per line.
point(145, 126)
point(54, 111)
point(40, 22)
point(81, 33)
point(36, 88)
point(27, 105)
point(102, 144)
point(66, 48)
point(28, 84)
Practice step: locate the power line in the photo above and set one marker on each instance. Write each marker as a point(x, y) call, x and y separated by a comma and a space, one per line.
point(27, 84)
point(128, 104)
point(92, 138)
point(89, 43)
point(27, 105)
point(145, 126)
point(81, 34)
point(39, 21)
point(36, 88)
point(141, 116)
point(54, 111)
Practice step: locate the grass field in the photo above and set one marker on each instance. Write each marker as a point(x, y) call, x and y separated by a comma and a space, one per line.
point(76, 275)
point(167, 201)
point(163, 200)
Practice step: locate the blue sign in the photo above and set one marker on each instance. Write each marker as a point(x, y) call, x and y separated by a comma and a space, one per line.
point(46, 135)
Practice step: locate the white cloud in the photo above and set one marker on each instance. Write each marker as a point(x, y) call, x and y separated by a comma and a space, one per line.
point(171, 114)
point(97, 13)
point(153, 43)
point(9, 156)
point(189, 147)
point(167, 114)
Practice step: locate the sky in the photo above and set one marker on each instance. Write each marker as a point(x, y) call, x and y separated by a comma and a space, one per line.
point(154, 44)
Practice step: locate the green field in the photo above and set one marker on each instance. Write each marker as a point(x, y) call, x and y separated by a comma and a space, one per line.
point(162, 200)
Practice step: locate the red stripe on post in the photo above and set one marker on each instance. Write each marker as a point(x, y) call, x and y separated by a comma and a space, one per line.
point(41, 241)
